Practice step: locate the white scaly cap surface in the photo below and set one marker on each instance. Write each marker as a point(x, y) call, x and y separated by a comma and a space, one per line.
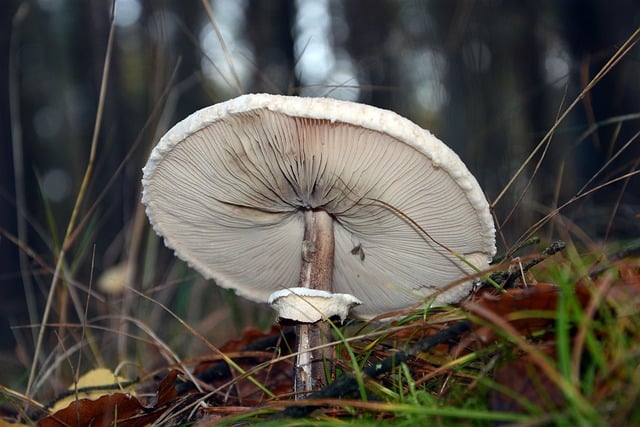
point(227, 186)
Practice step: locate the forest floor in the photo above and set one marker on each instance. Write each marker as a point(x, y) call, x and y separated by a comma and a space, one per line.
point(551, 338)
point(551, 335)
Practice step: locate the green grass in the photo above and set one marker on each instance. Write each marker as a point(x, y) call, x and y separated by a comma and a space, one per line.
point(592, 368)
point(592, 365)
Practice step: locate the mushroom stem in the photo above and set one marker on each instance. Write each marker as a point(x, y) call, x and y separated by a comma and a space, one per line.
point(316, 273)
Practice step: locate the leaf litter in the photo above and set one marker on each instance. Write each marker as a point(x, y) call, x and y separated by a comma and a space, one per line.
point(525, 307)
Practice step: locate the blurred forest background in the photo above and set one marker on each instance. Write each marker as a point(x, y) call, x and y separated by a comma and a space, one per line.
point(488, 77)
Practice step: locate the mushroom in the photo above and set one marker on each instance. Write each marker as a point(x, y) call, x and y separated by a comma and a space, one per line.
point(268, 193)
point(308, 305)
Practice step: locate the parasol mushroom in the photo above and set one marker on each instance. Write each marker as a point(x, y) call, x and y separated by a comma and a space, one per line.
point(267, 194)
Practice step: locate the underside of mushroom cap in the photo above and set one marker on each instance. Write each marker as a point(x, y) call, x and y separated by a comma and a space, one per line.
point(227, 188)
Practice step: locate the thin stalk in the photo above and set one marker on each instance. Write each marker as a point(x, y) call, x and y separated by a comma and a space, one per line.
point(66, 243)
point(18, 160)
point(223, 46)
point(615, 58)
point(316, 273)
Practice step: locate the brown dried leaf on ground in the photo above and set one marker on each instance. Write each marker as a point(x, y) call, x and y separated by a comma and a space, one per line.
point(121, 409)
point(527, 387)
point(532, 310)
point(620, 285)
point(528, 310)
point(92, 385)
point(236, 390)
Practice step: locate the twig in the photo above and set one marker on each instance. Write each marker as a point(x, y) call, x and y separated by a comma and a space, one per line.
point(631, 251)
point(555, 247)
point(347, 384)
point(221, 369)
point(528, 242)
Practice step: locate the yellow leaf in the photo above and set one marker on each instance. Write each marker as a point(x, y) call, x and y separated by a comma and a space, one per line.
point(6, 424)
point(101, 378)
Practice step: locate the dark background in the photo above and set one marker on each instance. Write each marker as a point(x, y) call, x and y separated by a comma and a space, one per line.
point(487, 77)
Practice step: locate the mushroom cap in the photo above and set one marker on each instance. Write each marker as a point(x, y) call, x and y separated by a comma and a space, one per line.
point(227, 188)
point(311, 305)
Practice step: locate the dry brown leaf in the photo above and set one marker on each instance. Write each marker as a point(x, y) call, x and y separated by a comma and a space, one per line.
point(121, 409)
point(509, 305)
point(95, 378)
point(528, 386)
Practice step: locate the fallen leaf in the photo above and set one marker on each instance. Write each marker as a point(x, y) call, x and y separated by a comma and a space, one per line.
point(253, 348)
point(528, 310)
point(121, 409)
point(4, 423)
point(97, 382)
point(525, 387)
